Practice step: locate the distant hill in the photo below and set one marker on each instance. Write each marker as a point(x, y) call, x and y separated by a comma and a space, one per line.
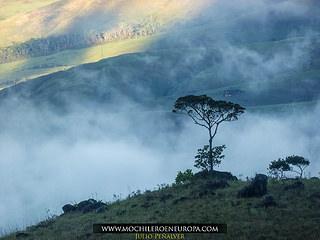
point(50, 36)
point(158, 77)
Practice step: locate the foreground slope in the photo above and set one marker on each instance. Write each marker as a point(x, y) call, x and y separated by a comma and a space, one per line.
point(205, 200)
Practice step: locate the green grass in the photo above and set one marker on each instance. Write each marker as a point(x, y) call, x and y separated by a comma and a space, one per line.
point(296, 216)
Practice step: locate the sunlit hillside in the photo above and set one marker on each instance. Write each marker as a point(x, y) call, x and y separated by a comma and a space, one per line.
point(68, 16)
point(19, 71)
point(41, 37)
point(11, 8)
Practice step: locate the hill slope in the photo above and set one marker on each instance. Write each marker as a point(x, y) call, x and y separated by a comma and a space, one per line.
point(72, 16)
point(205, 200)
point(158, 77)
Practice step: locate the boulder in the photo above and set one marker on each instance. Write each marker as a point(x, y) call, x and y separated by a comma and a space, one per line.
point(22, 235)
point(89, 205)
point(214, 175)
point(268, 201)
point(68, 208)
point(84, 206)
point(257, 188)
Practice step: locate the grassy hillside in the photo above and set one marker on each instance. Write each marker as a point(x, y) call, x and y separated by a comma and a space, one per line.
point(295, 216)
point(14, 72)
point(163, 74)
point(65, 17)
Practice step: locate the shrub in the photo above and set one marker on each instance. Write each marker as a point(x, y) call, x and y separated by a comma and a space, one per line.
point(184, 177)
point(206, 159)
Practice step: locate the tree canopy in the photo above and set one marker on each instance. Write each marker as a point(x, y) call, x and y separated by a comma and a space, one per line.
point(299, 162)
point(278, 167)
point(207, 112)
point(296, 164)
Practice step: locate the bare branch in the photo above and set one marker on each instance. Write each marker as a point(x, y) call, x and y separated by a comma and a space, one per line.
point(196, 122)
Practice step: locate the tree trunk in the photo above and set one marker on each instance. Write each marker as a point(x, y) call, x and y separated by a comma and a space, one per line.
point(210, 151)
point(301, 172)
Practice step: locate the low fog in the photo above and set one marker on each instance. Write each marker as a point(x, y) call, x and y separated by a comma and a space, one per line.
point(49, 159)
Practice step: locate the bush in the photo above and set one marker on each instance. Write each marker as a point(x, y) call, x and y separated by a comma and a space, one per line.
point(184, 177)
point(206, 159)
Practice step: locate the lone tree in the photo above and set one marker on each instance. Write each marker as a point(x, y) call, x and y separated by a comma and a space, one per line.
point(278, 167)
point(299, 162)
point(208, 113)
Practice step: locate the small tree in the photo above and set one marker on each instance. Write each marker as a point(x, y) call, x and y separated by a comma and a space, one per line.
point(203, 159)
point(297, 164)
point(278, 167)
point(208, 113)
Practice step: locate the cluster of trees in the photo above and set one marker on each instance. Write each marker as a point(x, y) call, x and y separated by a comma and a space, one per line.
point(209, 113)
point(296, 164)
point(53, 44)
